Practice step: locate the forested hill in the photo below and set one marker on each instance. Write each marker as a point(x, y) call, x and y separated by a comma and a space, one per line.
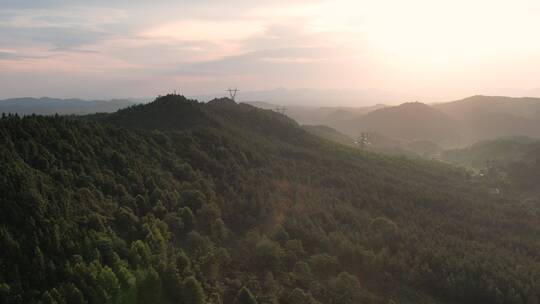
point(183, 202)
point(175, 112)
point(511, 164)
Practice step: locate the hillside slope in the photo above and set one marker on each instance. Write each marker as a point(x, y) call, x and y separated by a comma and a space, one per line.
point(329, 134)
point(182, 202)
point(410, 121)
point(511, 164)
point(528, 107)
point(490, 117)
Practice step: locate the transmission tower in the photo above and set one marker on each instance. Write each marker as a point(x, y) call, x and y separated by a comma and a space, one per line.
point(363, 140)
point(232, 92)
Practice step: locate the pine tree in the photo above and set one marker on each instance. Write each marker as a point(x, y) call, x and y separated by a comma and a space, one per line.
point(245, 297)
point(192, 291)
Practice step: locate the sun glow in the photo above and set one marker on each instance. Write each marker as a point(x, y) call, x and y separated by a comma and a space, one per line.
point(437, 31)
point(454, 48)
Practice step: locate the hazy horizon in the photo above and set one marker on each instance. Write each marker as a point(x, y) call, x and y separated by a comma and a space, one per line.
point(282, 96)
point(428, 51)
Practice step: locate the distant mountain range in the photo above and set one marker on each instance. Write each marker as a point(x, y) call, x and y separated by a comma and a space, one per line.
point(312, 115)
point(488, 117)
point(50, 106)
point(451, 124)
point(528, 107)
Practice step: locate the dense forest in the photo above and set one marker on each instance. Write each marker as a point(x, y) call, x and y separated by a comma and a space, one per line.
point(178, 201)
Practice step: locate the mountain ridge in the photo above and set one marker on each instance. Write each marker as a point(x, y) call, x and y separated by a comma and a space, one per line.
point(50, 106)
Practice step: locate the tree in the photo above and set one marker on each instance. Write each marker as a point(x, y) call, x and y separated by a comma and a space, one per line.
point(149, 291)
point(193, 199)
point(192, 292)
point(346, 288)
point(298, 296)
point(140, 254)
point(73, 294)
point(4, 293)
point(245, 296)
point(187, 218)
point(108, 281)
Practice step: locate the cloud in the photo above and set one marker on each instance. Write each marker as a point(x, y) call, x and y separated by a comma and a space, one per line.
point(9, 56)
point(41, 32)
point(185, 41)
point(261, 60)
point(281, 52)
point(57, 37)
point(25, 4)
point(47, 4)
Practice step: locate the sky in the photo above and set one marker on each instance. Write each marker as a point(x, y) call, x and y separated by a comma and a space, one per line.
point(427, 50)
